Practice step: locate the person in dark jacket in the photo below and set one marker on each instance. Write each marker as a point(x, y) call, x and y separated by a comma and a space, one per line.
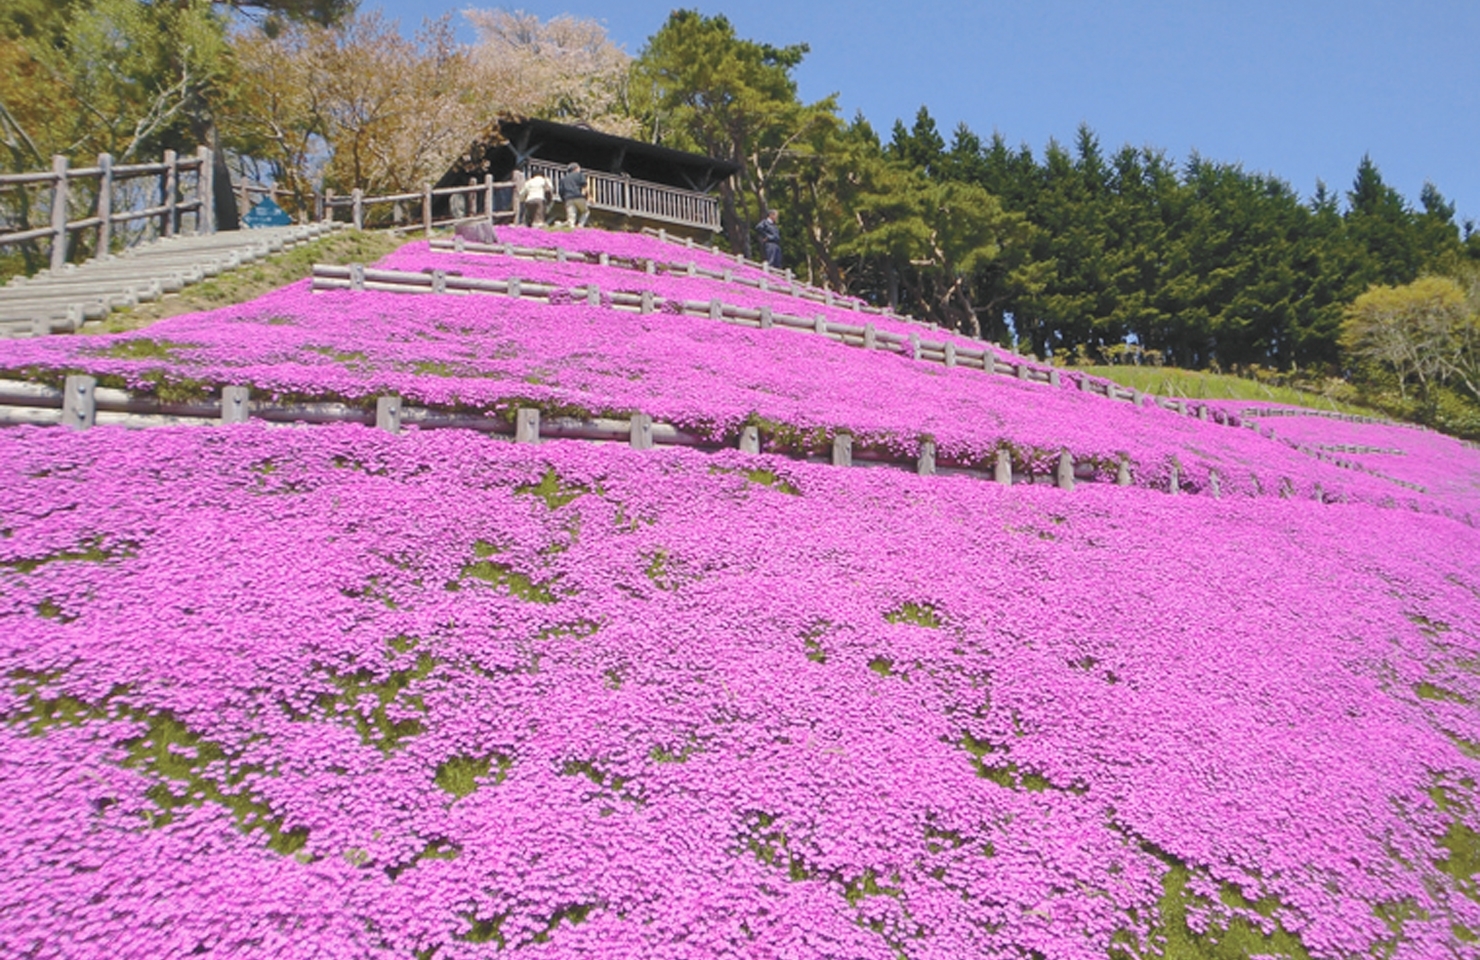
point(573, 193)
point(770, 239)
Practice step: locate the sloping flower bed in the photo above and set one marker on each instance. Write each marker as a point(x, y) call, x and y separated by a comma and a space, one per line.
point(1439, 463)
point(492, 353)
point(335, 693)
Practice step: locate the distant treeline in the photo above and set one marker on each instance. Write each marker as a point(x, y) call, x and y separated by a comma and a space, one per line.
point(1204, 261)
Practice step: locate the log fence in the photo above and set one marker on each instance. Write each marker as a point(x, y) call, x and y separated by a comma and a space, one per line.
point(478, 201)
point(867, 336)
point(174, 203)
point(81, 404)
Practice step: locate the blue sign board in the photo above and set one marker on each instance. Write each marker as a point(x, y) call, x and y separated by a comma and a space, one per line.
point(267, 214)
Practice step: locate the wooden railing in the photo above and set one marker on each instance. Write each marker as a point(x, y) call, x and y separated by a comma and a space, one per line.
point(640, 198)
point(479, 201)
point(173, 203)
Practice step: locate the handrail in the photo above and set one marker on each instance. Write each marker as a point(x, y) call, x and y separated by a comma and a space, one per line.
point(481, 203)
point(168, 210)
point(640, 198)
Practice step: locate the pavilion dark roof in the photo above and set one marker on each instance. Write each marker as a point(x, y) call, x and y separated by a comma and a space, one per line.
point(516, 141)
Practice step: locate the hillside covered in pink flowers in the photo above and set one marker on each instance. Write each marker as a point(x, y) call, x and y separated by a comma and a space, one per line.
point(336, 692)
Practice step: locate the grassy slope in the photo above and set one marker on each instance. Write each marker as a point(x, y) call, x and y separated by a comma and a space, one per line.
point(1201, 385)
point(250, 282)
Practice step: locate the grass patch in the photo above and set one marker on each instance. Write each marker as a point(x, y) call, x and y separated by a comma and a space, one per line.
point(92, 552)
point(459, 775)
point(551, 490)
point(377, 706)
point(501, 575)
point(144, 348)
point(1201, 385)
point(918, 614)
point(764, 478)
point(1236, 941)
point(1005, 774)
point(252, 281)
point(1429, 691)
point(170, 751)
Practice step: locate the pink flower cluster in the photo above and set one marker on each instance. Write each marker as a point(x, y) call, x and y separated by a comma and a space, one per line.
point(336, 693)
point(492, 353)
point(703, 705)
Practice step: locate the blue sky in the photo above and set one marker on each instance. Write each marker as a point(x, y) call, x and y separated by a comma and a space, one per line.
point(1300, 89)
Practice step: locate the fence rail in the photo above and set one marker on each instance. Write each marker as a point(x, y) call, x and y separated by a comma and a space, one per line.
point(866, 336)
point(173, 203)
point(478, 201)
point(641, 198)
point(81, 404)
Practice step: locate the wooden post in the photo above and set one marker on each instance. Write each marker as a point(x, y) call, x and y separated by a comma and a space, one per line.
point(950, 354)
point(1174, 481)
point(651, 267)
point(766, 319)
point(515, 288)
point(426, 209)
point(1136, 398)
point(642, 432)
point(171, 186)
point(750, 440)
point(1021, 370)
point(1053, 378)
point(1202, 412)
point(488, 196)
point(439, 281)
point(647, 301)
point(328, 212)
point(691, 269)
point(357, 276)
point(1065, 476)
point(603, 259)
point(1084, 384)
point(561, 255)
point(527, 425)
point(869, 335)
point(357, 199)
point(518, 203)
point(388, 414)
point(205, 191)
point(819, 325)
point(1123, 473)
point(914, 346)
point(716, 309)
point(58, 212)
point(662, 235)
point(593, 295)
point(842, 450)
point(234, 408)
point(105, 206)
point(1214, 486)
point(1003, 471)
point(925, 462)
point(79, 405)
